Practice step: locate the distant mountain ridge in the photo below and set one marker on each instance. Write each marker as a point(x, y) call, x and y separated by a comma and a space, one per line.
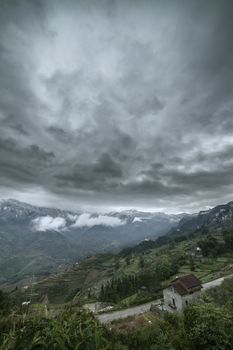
point(219, 217)
point(10, 208)
point(36, 239)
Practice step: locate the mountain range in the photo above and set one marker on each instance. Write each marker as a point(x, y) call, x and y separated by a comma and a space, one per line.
point(36, 240)
point(219, 217)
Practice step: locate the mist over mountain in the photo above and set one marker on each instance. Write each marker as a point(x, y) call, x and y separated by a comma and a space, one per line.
point(37, 239)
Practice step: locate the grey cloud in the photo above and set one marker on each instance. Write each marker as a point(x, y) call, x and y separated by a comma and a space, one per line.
point(123, 102)
point(202, 181)
point(11, 122)
point(22, 164)
point(101, 174)
point(60, 134)
point(141, 108)
point(107, 166)
point(33, 152)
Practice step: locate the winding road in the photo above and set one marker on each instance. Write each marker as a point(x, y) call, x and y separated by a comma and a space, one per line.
point(141, 309)
point(115, 315)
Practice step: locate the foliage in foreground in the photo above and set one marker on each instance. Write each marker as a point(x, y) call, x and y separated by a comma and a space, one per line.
point(69, 331)
point(203, 326)
point(207, 325)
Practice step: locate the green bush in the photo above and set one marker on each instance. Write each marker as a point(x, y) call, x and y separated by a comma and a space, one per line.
point(69, 331)
point(209, 327)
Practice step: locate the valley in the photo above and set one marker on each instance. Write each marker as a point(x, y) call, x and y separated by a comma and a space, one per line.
point(121, 292)
point(53, 238)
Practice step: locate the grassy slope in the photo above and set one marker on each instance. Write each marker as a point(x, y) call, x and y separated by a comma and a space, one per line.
point(87, 277)
point(63, 286)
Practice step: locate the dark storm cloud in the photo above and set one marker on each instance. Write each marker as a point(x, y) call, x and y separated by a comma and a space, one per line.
point(59, 134)
point(92, 176)
point(124, 103)
point(22, 164)
point(12, 122)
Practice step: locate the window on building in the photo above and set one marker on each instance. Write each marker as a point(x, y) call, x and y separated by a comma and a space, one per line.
point(186, 302)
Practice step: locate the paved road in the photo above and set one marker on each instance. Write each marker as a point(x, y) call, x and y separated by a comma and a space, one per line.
point(136, 310)
point(215, 283)
point(140, 309)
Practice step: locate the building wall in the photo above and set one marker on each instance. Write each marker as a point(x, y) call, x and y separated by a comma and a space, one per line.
point(170, 296)
point(190, 298)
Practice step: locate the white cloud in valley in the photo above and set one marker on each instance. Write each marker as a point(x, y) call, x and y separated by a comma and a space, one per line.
point(104, 220)
point(48, 223)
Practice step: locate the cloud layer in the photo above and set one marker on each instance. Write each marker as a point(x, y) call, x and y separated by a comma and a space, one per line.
point(48, 223)
point(117, 103)
point(103, 220)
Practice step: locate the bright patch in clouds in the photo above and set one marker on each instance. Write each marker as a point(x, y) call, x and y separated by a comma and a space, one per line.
point(72, 217)
point(136, 219)
point(47, 223)
point(104, 220)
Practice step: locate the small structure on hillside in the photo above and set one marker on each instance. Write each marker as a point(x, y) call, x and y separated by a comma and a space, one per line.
point(196, 253)
point(181, 292)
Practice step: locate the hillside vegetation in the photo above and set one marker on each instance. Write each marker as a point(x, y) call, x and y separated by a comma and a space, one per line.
point(140, 272)
point(207, 325)
point(55, 319)
point(32, 242)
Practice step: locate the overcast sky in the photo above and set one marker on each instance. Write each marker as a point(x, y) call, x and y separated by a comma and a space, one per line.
point(117, 104)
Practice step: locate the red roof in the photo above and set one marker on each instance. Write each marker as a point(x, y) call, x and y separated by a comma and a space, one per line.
point(186, 284)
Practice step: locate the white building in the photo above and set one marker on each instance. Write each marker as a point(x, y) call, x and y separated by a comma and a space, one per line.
point(181, 292)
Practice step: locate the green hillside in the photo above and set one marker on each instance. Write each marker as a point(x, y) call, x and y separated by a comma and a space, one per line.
point(153, 264)
point(205, 325)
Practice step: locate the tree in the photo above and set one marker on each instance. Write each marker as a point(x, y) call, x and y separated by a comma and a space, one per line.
point(165, 267)
point(5, 303)
point(153, 337)
point(191, 263)
point(208, 327)
point(117, 265)
point(171, 245)
point(141, 262)
point(228, 239)
point(127, 260)
point(210, 246)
